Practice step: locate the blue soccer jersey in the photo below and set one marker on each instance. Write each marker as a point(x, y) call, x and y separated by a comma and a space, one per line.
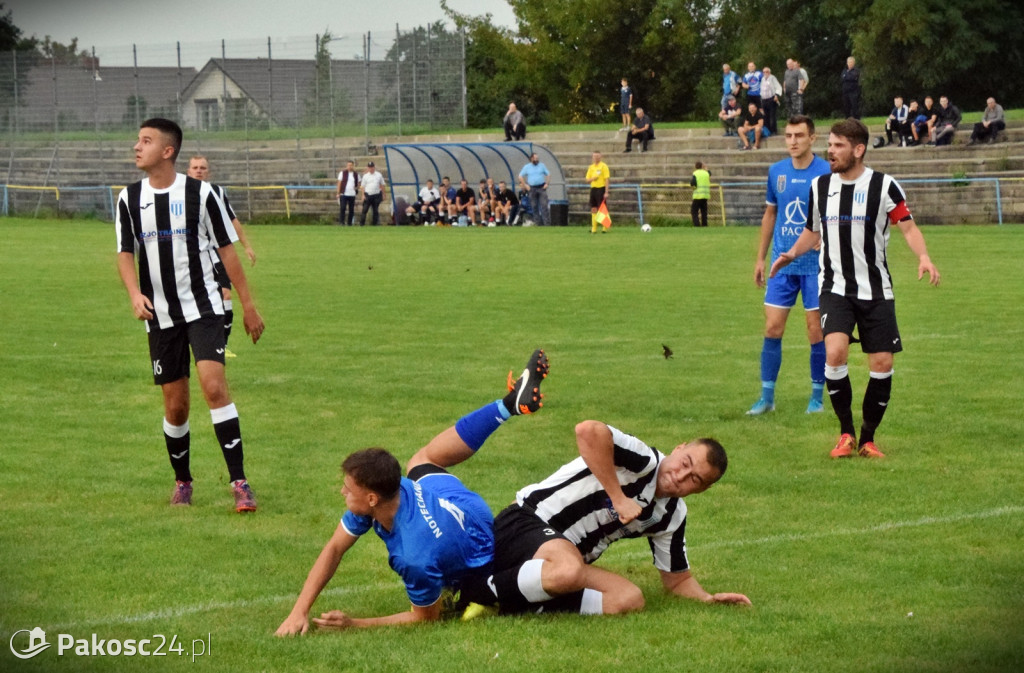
point(441, 531)
point(788, 189)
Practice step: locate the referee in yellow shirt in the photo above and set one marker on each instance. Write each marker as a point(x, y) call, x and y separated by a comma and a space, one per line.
point(598, 177)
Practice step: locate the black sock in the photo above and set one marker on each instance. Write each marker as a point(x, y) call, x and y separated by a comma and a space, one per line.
point(229, 436)
point(876, 401)
point(229, 317)
point(178, 438)
point(841, 395)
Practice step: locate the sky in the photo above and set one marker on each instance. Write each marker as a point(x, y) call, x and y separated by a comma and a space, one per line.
point(113, 26)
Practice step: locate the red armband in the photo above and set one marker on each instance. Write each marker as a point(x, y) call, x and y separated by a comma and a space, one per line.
point(900, 213)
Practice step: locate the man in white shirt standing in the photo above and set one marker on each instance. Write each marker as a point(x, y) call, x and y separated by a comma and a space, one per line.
point(348, 183)
point(372, 186)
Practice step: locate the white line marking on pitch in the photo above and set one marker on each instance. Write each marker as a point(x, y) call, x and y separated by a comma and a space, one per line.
point(174, 613)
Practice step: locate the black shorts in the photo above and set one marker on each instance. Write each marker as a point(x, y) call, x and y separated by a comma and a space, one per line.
point(518, 534)
point(168, 348)
point(875, 321)
point(221, 275)
point(596, 196)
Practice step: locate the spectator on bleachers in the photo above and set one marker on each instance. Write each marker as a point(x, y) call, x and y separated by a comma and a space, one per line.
point(992, 122)
point(794, 83)
point(898, 122)
point(850, 80)
point(931, 115)
point(770, 92)
point(730, 116)
point(730, 83)
point(948, 120)
point(514, 123)
point(752, 83)
point(916, 119)
point(642, 131)
point(753, 127)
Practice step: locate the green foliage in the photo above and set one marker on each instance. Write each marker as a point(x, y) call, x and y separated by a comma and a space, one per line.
point(564, 61)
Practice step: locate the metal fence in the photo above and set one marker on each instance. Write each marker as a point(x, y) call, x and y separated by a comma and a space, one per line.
point(351, 84)
point(933, 201)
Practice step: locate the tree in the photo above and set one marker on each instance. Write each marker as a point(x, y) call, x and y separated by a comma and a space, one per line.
point(425, 66)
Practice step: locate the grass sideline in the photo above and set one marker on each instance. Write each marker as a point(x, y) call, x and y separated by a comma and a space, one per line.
point(384, 336)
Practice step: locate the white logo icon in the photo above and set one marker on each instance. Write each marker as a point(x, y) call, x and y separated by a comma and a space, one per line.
point(795, 213)
point(36, 643)
point(177, 456)
point(220, 351)
point(233, 444)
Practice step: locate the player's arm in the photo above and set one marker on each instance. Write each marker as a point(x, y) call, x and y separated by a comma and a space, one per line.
point(250, 316)
point(244, 240)
point(806, 241)
point(597, 448)
point(915, 239)
point(141, 306)
point(767, 229)
point(322, 571)
point(686, 585)
point(336, 620)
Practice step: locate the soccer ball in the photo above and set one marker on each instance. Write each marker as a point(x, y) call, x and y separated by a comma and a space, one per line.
point(646, 228)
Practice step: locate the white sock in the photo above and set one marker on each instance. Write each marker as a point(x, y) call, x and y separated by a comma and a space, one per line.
point(592, 603)
point(530, 583)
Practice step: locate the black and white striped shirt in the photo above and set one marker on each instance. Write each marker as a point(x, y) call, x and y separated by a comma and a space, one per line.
point(573, 502)
point(853, 218)
point(172, 232)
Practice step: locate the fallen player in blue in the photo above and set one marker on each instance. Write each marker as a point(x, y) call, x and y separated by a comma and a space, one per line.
point(437, 531)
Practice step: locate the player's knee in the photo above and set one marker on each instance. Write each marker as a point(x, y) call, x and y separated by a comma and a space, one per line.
point(563, 576)
point(626, 599)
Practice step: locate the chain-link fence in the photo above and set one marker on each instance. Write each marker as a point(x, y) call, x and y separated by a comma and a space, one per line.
point(325, 86)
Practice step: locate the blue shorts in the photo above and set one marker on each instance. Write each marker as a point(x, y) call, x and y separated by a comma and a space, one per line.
point(783, 288)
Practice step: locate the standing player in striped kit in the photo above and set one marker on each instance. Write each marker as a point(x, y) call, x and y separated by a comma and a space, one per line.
point(172, 222)
point(199, 168)
point(850, 213)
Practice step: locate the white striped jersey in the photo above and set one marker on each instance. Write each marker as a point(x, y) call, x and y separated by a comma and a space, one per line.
point(573, 502)
point(223, 194)
point(172, 232)
point(853, 219)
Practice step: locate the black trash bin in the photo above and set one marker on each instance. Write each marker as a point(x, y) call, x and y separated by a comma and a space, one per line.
point(559, 214)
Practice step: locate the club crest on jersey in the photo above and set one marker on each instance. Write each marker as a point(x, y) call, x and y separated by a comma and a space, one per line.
point(780, 183)
point(177, 208)
point(860, 197)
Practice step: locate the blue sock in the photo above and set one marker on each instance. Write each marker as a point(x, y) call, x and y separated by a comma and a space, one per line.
point(771, 362)
point(475, 427)
point(817, 370)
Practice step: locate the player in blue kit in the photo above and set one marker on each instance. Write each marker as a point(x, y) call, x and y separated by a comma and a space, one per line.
point(789, 184)
point(436, 530)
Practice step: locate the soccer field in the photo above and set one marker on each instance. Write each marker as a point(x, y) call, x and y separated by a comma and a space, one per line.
point(383, 337)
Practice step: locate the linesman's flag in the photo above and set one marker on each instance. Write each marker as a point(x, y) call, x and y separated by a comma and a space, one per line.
point(603, 217)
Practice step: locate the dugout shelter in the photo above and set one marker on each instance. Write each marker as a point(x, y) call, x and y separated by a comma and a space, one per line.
point(410, 165)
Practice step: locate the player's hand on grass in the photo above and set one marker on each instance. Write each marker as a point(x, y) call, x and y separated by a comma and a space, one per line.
point(335, 620)
point(735, 599)
point(142, 307)
point(926, 266)
point(253, 322)
point(294, 625)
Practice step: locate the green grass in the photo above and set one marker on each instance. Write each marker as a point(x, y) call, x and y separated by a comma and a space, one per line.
point(833, 555)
